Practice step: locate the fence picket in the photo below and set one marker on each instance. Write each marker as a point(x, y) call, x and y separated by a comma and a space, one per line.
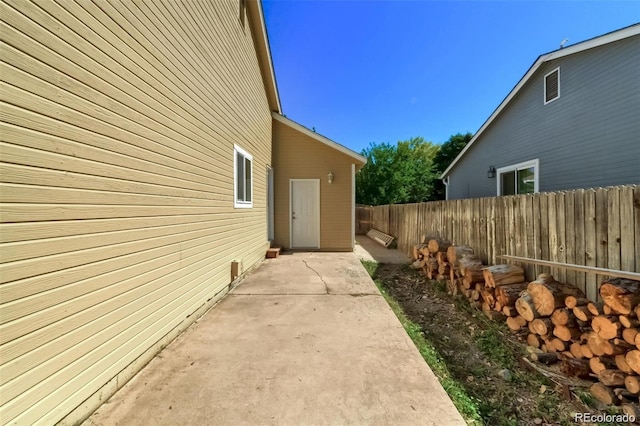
point(594, 227)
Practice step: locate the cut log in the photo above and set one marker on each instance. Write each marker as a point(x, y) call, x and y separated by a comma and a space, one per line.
point(502, 275)
point(621, 294)
point(452, 287)
point(430, 267)
point(526, 308)
point(631, 409)
point(559, 345)
point(541, 326)
point(472, 276)
point(603, 393)
point(572, 367)
point(576, 350)
point(563, 316)
point(573, 301)
point(621, 364)
point(455, 252)
point(582, 313)
point(516, 323)
point(629, 335)
point(612, 377)
point(534, 340)
point(611, 349)
point(607, 327)
point(548, 294)
point(633, 359)
point(510, 311)
point(598, 363)
point(566, 333)
point(628, 321)
point(435, 245)
point(545, 358)
point(416, 252)
point(487, 296)
point(632, 383)
point(597, 344)
point(596, 308)
point(469, 261)
point(586, 351)
point(508, 294)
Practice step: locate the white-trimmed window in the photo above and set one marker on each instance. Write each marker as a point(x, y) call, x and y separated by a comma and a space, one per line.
point(243, 178)
point(521, 178)
point(552, 86)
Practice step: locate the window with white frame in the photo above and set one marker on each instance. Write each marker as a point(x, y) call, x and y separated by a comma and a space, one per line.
point(243, 178)
point(521, 178)
point(552, 86)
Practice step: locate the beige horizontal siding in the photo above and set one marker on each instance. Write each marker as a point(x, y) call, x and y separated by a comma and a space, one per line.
point(116, 195)
point(298, 156)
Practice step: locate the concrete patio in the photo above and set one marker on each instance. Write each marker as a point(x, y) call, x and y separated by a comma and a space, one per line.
point(306, 339)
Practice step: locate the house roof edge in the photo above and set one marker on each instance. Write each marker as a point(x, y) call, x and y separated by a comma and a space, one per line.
point(607, 38)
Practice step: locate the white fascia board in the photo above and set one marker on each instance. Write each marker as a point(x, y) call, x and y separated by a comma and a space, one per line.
point(288, 122)
point(265, 37)
point(579, 47)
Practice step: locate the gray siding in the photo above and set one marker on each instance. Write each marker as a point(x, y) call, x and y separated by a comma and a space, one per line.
point(589, 137)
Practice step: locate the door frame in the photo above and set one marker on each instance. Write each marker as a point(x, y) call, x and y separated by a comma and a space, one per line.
point(317, 186)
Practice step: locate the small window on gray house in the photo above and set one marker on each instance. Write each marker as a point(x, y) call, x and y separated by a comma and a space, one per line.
point(552, 86)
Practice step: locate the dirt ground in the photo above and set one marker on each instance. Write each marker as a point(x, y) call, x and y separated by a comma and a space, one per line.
point(477, 352)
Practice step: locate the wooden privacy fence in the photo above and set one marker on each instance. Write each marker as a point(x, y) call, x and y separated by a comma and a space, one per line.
point(592, 227)
point(364, 218)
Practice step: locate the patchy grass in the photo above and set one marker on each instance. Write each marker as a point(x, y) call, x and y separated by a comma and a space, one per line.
point(468, 353)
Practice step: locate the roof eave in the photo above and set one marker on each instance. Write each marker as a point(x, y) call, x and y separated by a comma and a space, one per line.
point(261, 43)
point(318, 137)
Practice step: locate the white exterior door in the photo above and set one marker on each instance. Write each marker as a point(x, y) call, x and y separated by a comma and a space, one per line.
point(305, 213)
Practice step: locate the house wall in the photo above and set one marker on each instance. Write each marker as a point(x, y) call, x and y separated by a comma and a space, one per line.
point(118, 219)
point(589, 137)
point(298, 156)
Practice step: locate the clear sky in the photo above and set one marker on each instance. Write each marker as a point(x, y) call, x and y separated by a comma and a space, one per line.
point(388, 70)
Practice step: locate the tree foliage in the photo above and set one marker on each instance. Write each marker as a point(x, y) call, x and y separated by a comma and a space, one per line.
point(407, 172)
point(448, 151)
point(397, 174)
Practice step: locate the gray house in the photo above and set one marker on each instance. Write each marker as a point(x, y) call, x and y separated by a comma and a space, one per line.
point(572, 121)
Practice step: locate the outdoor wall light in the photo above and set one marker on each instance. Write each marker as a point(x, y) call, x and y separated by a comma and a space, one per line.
point(330, 177)
point(491, 173)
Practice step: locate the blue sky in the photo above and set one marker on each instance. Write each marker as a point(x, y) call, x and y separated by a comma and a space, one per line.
point(384, 71)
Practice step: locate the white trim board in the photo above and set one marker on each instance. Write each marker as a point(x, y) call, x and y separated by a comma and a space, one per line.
point(520, 166)
point(288, 122)
point(242, 204)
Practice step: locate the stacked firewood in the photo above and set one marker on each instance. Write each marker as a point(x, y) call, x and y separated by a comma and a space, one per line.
point(591, 340)
point(431, 256)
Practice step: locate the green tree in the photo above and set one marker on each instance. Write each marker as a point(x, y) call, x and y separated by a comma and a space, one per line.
point(397, 174)
point(448, 151)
